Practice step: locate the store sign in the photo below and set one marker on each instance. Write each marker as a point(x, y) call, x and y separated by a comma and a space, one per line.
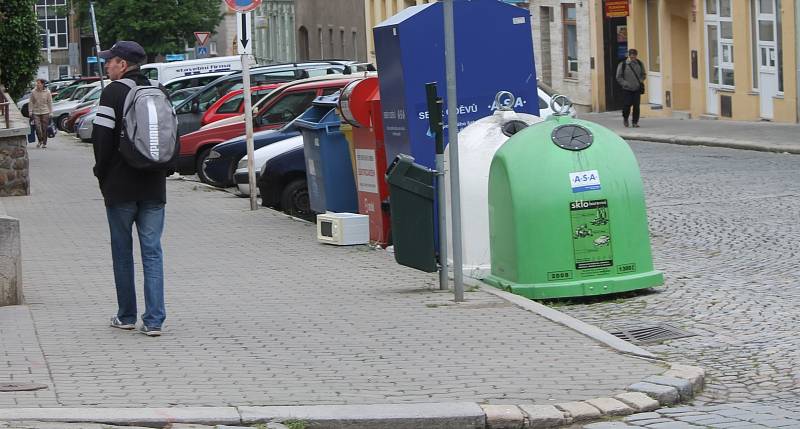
point(617, 8)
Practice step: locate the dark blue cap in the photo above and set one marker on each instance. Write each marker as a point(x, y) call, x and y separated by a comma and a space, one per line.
point(127, 50)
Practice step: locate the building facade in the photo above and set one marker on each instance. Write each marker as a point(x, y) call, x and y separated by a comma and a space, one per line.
point(61, 41)
point(727, 59)
point(326, 29)
point(562, 47)
point(274, 32)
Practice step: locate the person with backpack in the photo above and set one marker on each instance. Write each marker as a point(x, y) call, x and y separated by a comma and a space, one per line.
point(631, 76)
point(135, 146)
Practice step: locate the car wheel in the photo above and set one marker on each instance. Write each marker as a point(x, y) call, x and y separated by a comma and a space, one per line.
point(201, 159)
point(295, 201)
point(61, 123)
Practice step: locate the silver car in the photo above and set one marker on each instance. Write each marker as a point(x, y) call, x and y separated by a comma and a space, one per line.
point(62, 109)
point(85, 125)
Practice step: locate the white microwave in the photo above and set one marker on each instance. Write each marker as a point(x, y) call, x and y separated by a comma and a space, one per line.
point(343, 229)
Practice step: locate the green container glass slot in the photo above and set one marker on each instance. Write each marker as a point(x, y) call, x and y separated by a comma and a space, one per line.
point(411, 198)
point(567, 214)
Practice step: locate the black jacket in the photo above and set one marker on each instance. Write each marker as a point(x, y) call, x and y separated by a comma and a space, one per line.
point(120, 182)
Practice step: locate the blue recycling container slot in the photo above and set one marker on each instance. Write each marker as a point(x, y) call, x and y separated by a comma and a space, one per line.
point(329, 171)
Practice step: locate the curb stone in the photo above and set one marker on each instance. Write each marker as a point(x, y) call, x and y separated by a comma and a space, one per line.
point(709, 141)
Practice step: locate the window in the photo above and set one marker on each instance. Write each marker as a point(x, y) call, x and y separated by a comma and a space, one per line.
point(719, 39)
point(341, 41)
point(568, 15)
point(288, 107)
point(232, 105)
point(355, 46)
point(49, 20)
point(63, 71)
point(653, 37)
point(331, 52)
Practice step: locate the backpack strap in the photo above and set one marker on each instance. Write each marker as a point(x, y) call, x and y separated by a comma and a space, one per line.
point(130, 83)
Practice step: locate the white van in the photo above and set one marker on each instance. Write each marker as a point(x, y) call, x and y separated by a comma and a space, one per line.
point(162, 72)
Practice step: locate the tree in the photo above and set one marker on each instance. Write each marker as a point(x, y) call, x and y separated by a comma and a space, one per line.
point(19, 45)
point(161, 27)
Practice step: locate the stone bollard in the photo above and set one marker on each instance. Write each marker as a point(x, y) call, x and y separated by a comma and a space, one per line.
point(10, 262)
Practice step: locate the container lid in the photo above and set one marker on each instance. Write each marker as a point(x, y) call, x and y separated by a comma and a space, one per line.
point(572, 137)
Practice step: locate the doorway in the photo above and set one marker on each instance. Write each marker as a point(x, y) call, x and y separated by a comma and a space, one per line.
point(615, 44)
point(767, 56)
point(681, 64)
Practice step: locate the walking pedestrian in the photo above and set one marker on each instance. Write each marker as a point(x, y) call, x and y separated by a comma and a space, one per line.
point(132, 196)
point(631, 76)
point(41, 107)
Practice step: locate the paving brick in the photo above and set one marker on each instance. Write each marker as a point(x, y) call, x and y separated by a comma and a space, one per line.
point(503, 416)
point(665, 395)
point(611, 406)
point(638, 401)
point(579, 411)
point(543, 416)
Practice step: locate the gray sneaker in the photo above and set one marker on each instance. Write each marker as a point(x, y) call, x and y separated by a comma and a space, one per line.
point(116, 323)
point(150, 332)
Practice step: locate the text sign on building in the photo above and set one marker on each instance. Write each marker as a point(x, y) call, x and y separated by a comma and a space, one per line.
point(617, 8)
point(243, 5)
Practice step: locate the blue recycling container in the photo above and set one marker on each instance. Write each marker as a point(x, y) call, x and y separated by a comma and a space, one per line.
point(329, 168)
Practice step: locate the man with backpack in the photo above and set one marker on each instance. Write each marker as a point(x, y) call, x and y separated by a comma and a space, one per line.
point(631, 76)
point(133, 138)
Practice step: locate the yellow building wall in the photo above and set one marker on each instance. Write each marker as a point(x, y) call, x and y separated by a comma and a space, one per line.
point(689, 94)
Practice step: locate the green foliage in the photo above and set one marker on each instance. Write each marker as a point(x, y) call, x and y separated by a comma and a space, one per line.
point(295, 424)
point(161, 27)
point(19, 45)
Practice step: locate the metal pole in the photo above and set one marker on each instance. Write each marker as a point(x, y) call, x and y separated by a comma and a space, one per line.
point(436, 126)
point(452, 138)
point(49, 50)
point(97, 45)
point(248, 126)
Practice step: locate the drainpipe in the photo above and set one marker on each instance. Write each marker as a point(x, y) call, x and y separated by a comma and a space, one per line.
point(797, 55)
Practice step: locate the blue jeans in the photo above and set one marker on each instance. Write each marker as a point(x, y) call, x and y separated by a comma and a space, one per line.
point(149, 219)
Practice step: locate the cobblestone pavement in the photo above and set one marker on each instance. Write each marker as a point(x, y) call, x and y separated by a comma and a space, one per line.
point(724, 230)
point(734, 416)
point(259, 313)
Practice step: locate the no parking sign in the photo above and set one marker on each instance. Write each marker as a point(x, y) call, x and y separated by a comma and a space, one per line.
point(243, 5)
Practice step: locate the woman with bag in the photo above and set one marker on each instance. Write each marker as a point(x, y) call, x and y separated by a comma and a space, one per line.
point(41, 106)
point(631, 76)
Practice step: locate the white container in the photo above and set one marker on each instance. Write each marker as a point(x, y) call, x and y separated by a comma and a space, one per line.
point(342, 229)
point(477, 144)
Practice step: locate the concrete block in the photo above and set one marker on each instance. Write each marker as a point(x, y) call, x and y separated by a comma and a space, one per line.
point(579, 411)
point(611, 406)
point(151, 417)
point(10, 262)
point(684, 386)
point(638, 401)
point(543, 416)
point(450, 415)
point(503, 416)
point(696, 375)
point(665, 395)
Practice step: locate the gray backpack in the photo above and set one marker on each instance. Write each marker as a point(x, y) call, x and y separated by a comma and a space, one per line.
point(149, 139)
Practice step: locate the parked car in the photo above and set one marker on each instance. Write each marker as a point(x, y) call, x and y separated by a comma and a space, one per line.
point(69, 124)
point(190, 111)
point(164, 72)
point(85, 125)
point(260, 157)
point(194, 81)
point(232, 103)
point(282, 183)
point(179, 95)
point(275, 110)
point(61, 110)
point(219, 165)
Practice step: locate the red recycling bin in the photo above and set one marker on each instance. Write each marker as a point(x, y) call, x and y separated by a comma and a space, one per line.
point(360, 106)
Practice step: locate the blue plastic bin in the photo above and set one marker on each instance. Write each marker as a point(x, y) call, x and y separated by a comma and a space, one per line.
point(329, 169)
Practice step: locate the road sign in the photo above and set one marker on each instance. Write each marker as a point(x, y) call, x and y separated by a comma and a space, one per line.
point(91, 60)
point(174, 57)
point(201, 52)
point(244, 28)
point(243, 5)
point(202, 37)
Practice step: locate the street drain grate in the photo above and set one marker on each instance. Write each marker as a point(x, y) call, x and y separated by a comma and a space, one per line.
point(649, 334)
point(21, 387)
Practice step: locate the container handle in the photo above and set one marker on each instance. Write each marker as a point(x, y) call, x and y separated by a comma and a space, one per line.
point(511, 100)
point(560, 105)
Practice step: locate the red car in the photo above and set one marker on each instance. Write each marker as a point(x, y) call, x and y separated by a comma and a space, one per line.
point(281, 106)
point(69, 124)
point(232, 103)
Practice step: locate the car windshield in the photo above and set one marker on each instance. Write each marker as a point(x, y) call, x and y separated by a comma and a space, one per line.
point(65, 93)
point(94, 95)
point(80, 92)
point(181, 94)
